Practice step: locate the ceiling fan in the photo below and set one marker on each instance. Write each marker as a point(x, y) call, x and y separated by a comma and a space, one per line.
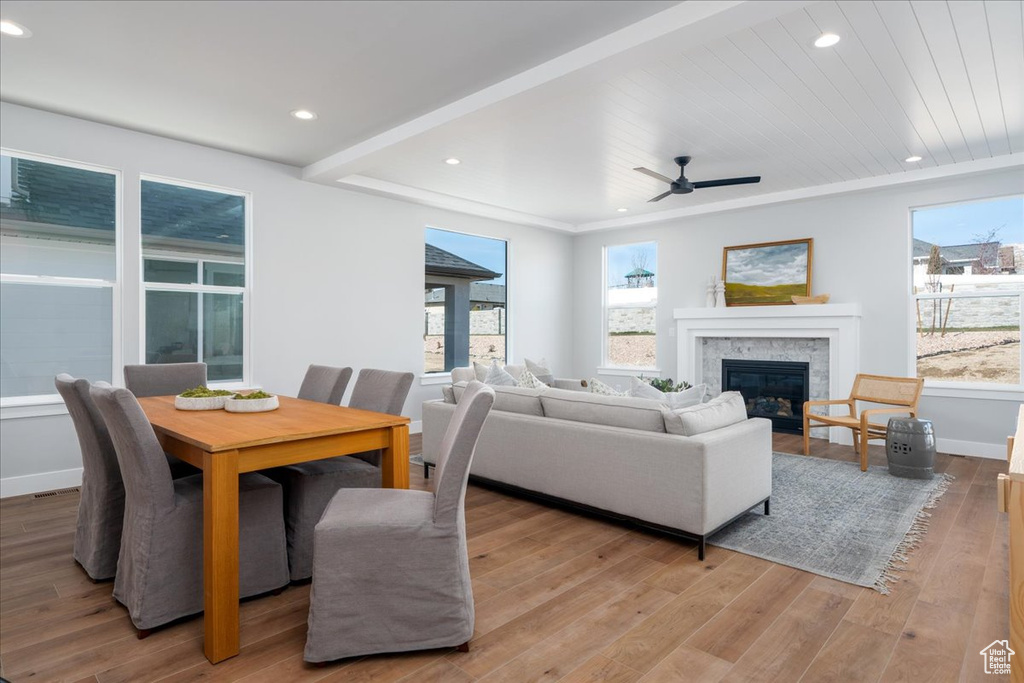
point(682, 185)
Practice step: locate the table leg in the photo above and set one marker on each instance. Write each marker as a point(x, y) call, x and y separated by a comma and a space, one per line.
point(395, 460)
point(220, 555)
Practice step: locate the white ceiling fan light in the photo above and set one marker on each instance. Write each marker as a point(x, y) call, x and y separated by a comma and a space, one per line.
point(304, 114)
point(912, 159)
point(826, 40)
point(452, 161)
point(13, 29)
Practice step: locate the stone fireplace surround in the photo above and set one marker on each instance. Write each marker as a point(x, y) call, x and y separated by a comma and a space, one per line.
point(825, 335)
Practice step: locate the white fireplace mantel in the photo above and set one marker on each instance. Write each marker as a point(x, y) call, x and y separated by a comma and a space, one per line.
point(839, 323)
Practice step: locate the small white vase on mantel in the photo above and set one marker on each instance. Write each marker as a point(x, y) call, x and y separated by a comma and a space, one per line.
point(719, 294)
point(710, 291)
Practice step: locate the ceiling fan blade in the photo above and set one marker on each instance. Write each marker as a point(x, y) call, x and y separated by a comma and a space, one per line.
point(660, 197)
point(654, 174)
point(726, 181)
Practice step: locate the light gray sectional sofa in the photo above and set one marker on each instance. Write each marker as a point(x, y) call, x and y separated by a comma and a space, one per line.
point(613, 455)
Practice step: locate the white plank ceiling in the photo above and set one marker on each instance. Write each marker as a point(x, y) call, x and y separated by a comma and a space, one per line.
point(940, 80)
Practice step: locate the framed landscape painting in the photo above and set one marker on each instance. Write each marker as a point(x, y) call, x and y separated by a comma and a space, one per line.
point(767, 274)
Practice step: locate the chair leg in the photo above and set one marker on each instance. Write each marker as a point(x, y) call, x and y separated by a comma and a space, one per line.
point(426, 471)
point(463, 648)
point(767, 508)
point(864, 451)
point(807, 434)
point(702, 548)
point(856, 441)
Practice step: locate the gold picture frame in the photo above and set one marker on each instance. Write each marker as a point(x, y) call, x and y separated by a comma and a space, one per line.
point(767, 273)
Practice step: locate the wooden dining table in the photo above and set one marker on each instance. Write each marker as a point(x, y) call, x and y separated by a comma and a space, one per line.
point(224, 444)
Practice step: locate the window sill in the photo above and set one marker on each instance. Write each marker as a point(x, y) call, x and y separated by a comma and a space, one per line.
point(436, 378)
point(629, 372)
point(34, 406)
point(972, 390)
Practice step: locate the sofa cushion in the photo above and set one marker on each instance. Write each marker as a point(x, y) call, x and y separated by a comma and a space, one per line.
point(602, 389)
point(673, 399)
point(466, 374)
point(725, 410)
point(510, 399)
point(541, 370)
point(530, 381)
point(497, 377)
point(448, 393)
point(614, 411)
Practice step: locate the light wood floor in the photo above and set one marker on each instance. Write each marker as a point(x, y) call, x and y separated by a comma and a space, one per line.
point(559, 596)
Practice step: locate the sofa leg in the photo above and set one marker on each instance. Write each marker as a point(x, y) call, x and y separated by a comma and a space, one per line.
point(767, 509)
point(143, 633)
point(463, 648)
point(701, 547)
point(426, 471)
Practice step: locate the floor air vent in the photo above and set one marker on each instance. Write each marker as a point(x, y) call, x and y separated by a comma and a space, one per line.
point(58, 492)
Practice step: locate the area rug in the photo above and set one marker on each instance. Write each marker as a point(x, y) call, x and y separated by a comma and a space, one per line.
point(829, 518)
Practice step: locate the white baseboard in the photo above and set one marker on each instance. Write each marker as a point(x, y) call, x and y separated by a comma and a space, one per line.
point(44, 481)
point(416, 427)
point(977, 449)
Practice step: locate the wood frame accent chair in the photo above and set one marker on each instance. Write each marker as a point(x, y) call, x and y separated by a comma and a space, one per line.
point(900, 395)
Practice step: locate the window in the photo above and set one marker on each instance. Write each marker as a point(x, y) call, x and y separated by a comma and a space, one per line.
point(630, 305)
point(194, 276)
point(58, 275)
point(968, 282)
point(465, 305)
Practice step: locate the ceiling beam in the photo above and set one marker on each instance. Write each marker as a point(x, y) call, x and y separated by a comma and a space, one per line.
point(384, 188)
point(725, 15)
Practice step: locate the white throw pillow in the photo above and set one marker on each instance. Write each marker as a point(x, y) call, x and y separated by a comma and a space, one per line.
point(497, 377)
point(541, 371)
point(638, 388)
point(481, 370)
point(599, 387)
point(725, 410)
point(530, 381)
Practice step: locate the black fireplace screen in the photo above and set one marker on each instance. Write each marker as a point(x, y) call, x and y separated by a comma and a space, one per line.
point(772, 389)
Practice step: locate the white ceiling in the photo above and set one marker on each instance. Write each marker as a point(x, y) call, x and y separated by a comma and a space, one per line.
point(547, 124)
point(227, 74)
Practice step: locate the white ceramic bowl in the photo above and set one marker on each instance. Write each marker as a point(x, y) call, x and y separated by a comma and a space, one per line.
point(251, 405)
point(206, 403)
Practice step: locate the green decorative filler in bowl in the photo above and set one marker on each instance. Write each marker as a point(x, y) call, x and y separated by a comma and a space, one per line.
point(201, 398)
point(253, 402)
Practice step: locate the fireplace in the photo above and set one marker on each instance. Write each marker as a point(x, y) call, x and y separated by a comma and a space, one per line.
point(772, 389)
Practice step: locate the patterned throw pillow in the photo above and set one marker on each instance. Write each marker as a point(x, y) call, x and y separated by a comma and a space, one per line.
point(497, 377)
point(541, 371)
point(599, 387)
point(530, 381)
point(673, 399)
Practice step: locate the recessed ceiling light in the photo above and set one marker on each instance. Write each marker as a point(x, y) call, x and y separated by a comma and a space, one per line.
point(9, 28)
point(912, 159)
point(452, 161)
point(304, 114)
point(622, 210)
point(826, 40)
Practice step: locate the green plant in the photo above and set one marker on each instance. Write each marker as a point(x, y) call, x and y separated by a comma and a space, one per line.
point(666, 385)
point(253, 395)
point(204, 392)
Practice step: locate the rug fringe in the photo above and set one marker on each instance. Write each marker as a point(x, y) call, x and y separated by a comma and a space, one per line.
point(901, 555)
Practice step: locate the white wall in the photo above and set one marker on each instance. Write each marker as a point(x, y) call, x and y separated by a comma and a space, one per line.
point(338, 276)
point(861, 254)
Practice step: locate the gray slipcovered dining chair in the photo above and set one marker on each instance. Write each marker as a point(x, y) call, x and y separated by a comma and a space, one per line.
point(101, 506)
point(163, 379)
point(325, 384)
point(166, 379)
point(391, 568)
point(160, 567)
point(309, 486)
